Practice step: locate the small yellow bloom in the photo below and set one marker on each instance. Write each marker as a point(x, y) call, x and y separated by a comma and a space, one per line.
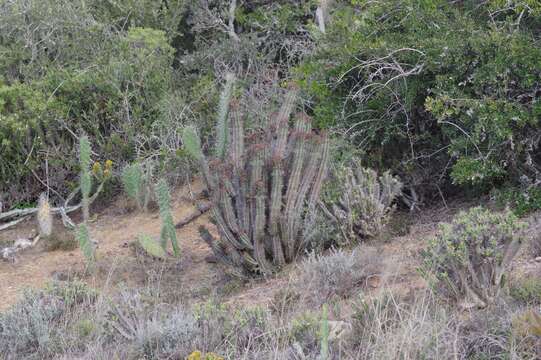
point(108, 164)
point(96, 169)
point(196, 355)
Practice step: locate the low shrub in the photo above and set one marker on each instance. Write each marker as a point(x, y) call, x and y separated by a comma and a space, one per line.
point(526, 291)
point(469, 257)
point(336, 274)
point(389, 327)
point(36, 327)
point(361, 204)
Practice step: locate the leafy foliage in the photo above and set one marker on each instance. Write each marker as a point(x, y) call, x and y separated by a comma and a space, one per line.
point(468, 259)
point(361, 203)
point(78, 71)
point(421, 85)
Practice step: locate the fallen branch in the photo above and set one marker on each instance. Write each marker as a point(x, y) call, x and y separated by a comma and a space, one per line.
point(201, 209)
point(21, 214)
point(13, 223)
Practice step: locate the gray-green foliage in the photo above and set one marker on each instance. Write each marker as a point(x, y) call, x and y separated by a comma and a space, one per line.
point(35, 327)
point(468, 259)
point(264, 188)
point(85, 243)
point(83, 233)
point(168, 231)
point(361, 204)
point(151, 246)
point(136, 182)
point(223, 111)
point(86, 178)
point(324, 333)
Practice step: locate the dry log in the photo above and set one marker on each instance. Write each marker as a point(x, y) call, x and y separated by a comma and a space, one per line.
point(200, 210)
point(21, 214)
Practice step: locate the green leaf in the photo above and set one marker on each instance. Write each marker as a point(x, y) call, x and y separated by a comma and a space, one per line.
point(151, 246)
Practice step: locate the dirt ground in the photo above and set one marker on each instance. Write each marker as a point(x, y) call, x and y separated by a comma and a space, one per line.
point(117, 262)
point(192, 276)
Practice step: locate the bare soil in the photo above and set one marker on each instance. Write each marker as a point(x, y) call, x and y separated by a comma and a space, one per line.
point(119, 265)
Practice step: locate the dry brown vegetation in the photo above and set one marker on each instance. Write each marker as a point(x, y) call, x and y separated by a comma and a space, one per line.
point(134, 306)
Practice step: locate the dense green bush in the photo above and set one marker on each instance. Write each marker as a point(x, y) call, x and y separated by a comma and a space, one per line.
point(438, 91)
point(128, 76)
point(76, 74)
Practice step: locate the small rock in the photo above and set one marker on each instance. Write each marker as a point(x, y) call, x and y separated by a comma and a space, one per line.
point(538, 259)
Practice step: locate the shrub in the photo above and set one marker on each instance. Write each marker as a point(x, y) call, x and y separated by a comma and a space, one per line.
point(468, 259)
point(522, 200)
point(262, 190)
point(438, 91)
point(364, 202)
point(527, 291)
point(336, 274)
point(34, 328)
point(387, 326)
point(152, 332)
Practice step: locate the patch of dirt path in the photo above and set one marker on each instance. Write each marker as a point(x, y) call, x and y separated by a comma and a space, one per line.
point(114, 232)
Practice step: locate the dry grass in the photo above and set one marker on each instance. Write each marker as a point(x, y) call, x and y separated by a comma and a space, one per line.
point(144, 308)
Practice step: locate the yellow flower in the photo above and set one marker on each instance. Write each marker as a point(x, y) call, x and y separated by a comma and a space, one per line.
point(196, 355)
point(96, 169)
point(108, 164)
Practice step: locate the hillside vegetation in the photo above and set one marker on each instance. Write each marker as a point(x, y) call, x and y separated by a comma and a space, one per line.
point(233, 179)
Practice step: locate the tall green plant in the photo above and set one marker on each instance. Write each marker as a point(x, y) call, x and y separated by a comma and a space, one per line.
point(223, 111)
point(263, 188)
point(83, 233)
point(324, 334)
point(168, 232)
point(86, 178)
point(136, 180)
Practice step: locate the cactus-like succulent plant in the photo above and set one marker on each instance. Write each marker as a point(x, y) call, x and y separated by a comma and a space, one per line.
point(85, 243)
point(151, 247)
point(364, 204)
point(262, 187)
point(136, 180)
point(44, 216)
point(83, 234)
point(86, 178)
point(469, 257)
point(168, 231)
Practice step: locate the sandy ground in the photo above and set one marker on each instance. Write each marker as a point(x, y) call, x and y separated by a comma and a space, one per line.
point(117, 260)
point(119, 266)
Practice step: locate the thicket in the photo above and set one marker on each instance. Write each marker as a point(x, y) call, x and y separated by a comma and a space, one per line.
point(443, 94)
